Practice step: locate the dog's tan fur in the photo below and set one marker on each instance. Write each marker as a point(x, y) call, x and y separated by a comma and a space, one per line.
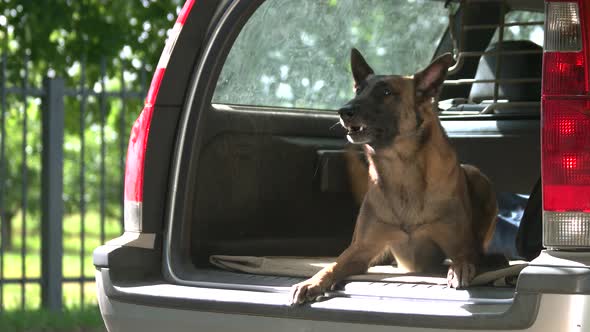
point(420, 204)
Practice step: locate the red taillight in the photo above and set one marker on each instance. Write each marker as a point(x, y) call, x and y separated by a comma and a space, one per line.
point(564, 74)
point(186, 9)
point(566, 155)
point(134, 167)
point(566, 125)
point(152, 94)
point(138, 142)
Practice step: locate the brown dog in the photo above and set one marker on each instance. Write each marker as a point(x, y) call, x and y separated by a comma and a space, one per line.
point(421, 205)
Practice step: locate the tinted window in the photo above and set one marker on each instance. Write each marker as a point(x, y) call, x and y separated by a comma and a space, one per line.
point(296, 53)
point(533, 33)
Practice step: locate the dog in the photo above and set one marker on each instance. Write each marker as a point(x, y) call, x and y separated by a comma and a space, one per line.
point(421, 205)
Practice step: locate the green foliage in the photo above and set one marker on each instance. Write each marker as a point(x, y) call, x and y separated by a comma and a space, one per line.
point(116, 133)
point(77, 40)
point(58, 33)
point(17, 152)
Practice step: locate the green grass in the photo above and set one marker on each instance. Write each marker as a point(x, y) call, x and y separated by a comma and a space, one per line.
point(72, 260)
point(72, 296)
point(72, 231)
point(74, 319)
point(72, 265)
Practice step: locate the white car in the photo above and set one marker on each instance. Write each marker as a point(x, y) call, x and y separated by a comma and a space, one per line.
point(238, 153)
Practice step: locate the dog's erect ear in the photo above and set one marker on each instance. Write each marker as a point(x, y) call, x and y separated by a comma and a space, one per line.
point(360, 67)
point(429, 81)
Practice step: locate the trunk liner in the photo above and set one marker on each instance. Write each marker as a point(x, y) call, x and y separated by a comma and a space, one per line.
point(479, 295)
point(308, 266)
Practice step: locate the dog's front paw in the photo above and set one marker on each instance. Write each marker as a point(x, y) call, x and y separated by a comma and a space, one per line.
point(460, 275)
point(305, 291)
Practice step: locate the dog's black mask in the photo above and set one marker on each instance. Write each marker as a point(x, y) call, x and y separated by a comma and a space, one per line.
point(386, 106)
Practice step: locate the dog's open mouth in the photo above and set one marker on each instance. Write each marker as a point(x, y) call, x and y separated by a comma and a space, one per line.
point(359, 134)
point(356, 129)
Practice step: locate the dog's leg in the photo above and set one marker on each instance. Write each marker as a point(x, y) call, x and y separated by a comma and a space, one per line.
point(483, 205)
point(460, 274)
point(354, 260)
point(369, 241)
point(459, 245)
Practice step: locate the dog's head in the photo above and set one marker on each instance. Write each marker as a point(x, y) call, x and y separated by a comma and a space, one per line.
point(386, 106)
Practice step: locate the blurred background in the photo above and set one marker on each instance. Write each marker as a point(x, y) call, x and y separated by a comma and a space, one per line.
point(89, 61)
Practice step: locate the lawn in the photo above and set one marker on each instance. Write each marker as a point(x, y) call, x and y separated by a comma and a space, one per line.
point(76, 263)
point(76, 319)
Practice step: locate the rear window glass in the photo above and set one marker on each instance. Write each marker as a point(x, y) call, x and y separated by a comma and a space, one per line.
point(296, 53)
point(532, 32)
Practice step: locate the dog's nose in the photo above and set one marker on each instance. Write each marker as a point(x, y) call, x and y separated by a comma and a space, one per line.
point(347, 111)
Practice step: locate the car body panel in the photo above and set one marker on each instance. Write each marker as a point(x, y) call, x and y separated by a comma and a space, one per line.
point(573, 312)
point(144, 278)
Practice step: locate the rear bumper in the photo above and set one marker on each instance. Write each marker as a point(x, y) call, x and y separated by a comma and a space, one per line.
point(149, 306)
point(141, 307)
point(133, 295)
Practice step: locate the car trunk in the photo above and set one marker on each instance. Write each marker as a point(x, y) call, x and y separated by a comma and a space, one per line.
point(264, 187)
point(273, 181)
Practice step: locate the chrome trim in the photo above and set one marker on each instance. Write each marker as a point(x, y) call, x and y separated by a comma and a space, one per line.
point(132, 216)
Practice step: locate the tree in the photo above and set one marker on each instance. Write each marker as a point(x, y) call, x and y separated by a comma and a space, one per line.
point(59, 33)
point(123, 39)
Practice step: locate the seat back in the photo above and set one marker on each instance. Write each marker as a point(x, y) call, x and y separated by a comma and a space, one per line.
point(512, 66)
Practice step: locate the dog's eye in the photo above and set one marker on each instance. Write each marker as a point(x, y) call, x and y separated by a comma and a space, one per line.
point(387, 92)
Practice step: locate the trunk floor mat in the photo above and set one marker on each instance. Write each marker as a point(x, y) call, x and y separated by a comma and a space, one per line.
point(304, 267)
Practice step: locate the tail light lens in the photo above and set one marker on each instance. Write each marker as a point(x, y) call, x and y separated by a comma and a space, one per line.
point(566, 126)
point(562, 27)
point(134, 166)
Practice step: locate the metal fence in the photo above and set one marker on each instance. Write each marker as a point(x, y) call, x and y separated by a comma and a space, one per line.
point(62, 152)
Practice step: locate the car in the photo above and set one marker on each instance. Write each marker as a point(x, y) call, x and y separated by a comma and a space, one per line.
point(237, 153)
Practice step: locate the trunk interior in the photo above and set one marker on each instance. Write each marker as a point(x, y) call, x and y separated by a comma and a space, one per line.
point(273, 182)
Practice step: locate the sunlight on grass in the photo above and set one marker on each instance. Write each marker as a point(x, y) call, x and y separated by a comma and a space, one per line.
point(73, 319)
point(71, 265)
point(71, 296)
point(12, 299)
point(76, 263)
point(71, 232)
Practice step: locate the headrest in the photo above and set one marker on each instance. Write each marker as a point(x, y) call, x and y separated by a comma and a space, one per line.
point(527, 65)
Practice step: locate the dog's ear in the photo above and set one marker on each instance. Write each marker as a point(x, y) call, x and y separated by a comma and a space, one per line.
point(429, 81)
point(360, 68)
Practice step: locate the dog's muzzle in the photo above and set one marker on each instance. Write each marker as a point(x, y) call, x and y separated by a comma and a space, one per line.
point(357, 129)
point(347, 112)
point(348, 121)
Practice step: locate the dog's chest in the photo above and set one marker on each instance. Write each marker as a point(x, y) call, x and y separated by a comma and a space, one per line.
point(409, 193)
point(407, 207)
